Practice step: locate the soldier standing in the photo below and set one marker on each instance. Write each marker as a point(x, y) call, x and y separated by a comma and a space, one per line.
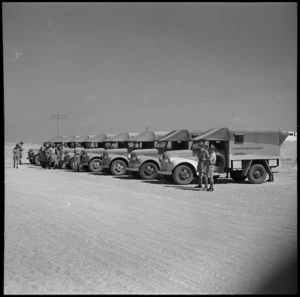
point(42, 155)
point(211, 166)
point(62, 155)
point(51, 155)
point(21, 152)
point(16, 155)
point(201, 168)
point(77, 156)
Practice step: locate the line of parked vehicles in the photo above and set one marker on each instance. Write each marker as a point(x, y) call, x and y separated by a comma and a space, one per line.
point(241, 154)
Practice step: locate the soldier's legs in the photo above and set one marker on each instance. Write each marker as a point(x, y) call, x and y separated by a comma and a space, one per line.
point(210, 171)
point(200, 176)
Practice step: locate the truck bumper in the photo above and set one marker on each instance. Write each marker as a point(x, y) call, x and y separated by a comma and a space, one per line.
point(133, 169)
point(162, 172)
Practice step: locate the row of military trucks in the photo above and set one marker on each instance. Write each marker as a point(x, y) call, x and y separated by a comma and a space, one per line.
point(244, 154)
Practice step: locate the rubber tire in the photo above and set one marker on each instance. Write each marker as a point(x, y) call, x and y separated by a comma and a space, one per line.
point(257, 168)
point(237, 176)
point(93, 165)
point(37, 160)
point(220, 162)
point(72, 164)
point(143, 171)
point(178, 173)
point(118, 167)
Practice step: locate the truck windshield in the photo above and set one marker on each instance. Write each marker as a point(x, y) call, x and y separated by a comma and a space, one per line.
point(161, 145)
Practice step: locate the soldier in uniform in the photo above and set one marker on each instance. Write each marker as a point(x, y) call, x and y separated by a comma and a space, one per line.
point(202, 156)
point(16, 155)
point(77, 156)
point(62, 154)
point(51, 156)
point(211, 161)
point(42, 155)
point(21, 152)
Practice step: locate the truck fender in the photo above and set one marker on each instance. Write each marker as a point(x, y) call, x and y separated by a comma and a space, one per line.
point(180, 161)
point(116, 157)
point(247, 167)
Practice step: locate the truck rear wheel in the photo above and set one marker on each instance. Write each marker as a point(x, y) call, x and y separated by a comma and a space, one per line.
point(220, 162)
point(148, 171)
point(257, 174)
point(183, 175)
point(118, 167)
point(72, 164)
point(95, 165)
point(37, 160)
point(237, 176)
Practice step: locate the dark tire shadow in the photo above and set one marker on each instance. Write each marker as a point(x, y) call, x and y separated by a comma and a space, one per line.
point(126, 177)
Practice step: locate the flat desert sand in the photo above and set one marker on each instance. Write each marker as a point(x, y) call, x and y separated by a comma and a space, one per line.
point(86, 233)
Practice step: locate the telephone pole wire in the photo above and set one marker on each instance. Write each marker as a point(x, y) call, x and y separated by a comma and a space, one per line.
point(58, 117)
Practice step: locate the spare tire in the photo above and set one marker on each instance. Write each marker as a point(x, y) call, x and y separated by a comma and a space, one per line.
point(220, 162)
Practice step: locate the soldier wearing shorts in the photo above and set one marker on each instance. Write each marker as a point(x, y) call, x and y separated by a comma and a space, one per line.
point(77, 156)
point(21, 152)
point(16, 155)
point(210, 167)
point(202, 156)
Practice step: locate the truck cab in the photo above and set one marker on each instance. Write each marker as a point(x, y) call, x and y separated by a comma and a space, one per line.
point(245, 153)
point(33, 153)
point(117, 161)
point(145, 163)
point(85, 141)
point(92, 158)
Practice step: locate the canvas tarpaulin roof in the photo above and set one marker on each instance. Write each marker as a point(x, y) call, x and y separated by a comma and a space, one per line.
point(118, 137)
point(221, 134)
point(57, 139)
point(177, 135)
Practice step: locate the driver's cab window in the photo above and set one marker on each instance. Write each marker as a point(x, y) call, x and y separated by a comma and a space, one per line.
point(168, 146)
point(107, 145)
point(179, 145)
point(147, 145)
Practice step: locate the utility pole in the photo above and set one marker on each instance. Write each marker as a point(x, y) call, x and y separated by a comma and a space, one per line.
point(58, 117)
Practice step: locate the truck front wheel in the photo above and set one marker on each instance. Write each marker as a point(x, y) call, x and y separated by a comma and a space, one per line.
point(72, 164)
point(37, 160)
point(148, 171)
point(257, 174)
point(95, 165)
point(183, 175)
point(118, 167)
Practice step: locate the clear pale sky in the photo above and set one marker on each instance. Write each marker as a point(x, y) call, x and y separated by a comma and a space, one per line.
point(119, 67)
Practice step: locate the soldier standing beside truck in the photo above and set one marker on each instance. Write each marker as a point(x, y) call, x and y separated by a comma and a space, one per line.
point(201, 168)
point(77, 156)
point(210, 167)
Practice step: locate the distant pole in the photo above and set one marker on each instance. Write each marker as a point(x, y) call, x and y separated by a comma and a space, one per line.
point(58, 117)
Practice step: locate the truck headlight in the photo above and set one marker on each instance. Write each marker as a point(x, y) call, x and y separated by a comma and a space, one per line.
point(128, 157)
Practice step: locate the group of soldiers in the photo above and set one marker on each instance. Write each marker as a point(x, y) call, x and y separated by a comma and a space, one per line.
point(18, 154)
point(54, 155)
point(206, 162)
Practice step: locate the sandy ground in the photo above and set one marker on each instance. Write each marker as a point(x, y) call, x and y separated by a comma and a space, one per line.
point(85, 233)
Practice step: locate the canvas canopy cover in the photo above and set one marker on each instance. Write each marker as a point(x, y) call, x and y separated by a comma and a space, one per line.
point(176, 135)
point(84, 138)
point(148, 136)
point(262, 135)
point(118, 137)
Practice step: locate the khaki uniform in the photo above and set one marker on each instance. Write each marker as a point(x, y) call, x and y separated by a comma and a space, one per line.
point(202, 156)
point(16, 156)
point(21, 153)
point(42, 156)
point(210, 167)
point(77, 157)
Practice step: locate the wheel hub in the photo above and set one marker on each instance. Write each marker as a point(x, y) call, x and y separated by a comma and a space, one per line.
point(257, 174)
point(119, 168)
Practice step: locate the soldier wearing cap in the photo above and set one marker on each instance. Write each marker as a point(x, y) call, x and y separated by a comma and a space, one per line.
point(51, 155)
point(202, 156)
point(42, 154)
point(16, 155)
point(77, 156)
point(21, 152)
point(211, 166)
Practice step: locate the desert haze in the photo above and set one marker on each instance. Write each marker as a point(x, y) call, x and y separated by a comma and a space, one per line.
point(82, 233)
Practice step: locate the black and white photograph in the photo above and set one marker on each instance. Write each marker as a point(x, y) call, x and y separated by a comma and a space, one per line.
point(150, 148)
